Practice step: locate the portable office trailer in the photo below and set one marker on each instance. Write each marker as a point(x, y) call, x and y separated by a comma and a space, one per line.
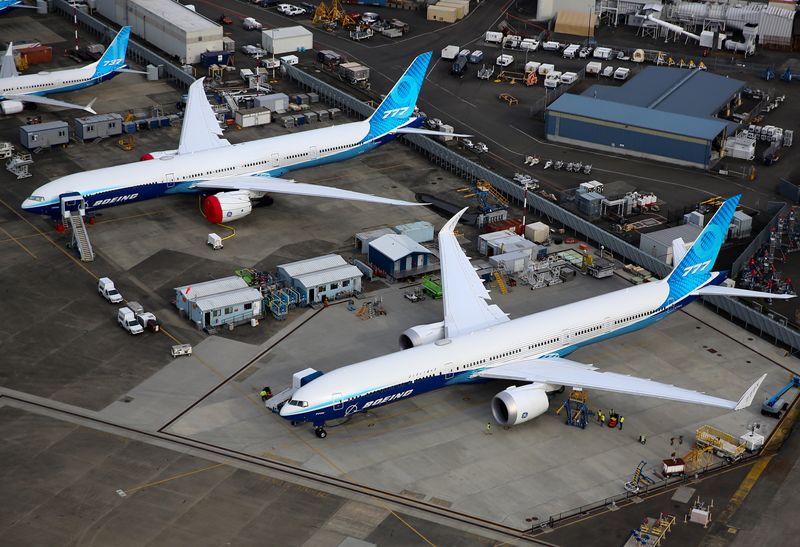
point(446, 14)
point(187, 293)
point(330, 283)
point(287, 40)
point(276, 102)
point(100, 126)
point(227, 308)
point(253, 117)
point(43, 135)
point(167, 25)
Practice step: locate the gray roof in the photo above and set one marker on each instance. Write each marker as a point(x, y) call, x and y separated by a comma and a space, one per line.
point(637, 116)
point(229, 298)
point(309, 265)
point(688, 232)
point(679, 90)
point(224, 284)
point(331, 275)
point(287, 32)
point(35, 128)
point(397, 246)
point(178, 15)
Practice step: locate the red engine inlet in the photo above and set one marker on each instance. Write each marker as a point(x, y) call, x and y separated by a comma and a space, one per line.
point(146, 157)
point(212, 209)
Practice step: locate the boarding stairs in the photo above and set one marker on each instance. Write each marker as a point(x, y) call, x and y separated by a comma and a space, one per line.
point(18, 164)
point(501, 283)
point(80, 236)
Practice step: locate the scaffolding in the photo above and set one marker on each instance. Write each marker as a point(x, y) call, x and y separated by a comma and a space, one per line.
point(577, 408)
point(19, 165)
point(282, 300)
point(543, 273)
point(651, 532)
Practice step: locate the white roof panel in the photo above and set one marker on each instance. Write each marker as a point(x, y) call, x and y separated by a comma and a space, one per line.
point(331, 275)
point(199, 290)
point(310, 265)
point(229, 298)
point(287, 32)
point(177, 15)
point(397, 246)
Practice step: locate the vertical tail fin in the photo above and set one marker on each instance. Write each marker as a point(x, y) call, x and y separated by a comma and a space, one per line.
point(114, 56)
point(693, 269)
point(398, 106)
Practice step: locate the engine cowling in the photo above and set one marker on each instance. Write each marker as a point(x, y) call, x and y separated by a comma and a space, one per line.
point(517, 405)
point(227, 206)
point(421, 335)
point(11, 107)
point(157, 155)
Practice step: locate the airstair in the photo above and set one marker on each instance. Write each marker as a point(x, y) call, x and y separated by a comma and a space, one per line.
point(501, 283)
point(18, 163)
point(73, 209)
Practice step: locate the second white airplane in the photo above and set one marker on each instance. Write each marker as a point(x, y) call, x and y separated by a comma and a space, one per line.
point(477, 342)
point(239, 174)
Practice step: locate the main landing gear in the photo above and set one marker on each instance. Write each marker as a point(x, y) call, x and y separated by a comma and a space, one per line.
point(320, 432)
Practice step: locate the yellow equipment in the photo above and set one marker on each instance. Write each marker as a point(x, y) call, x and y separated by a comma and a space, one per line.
point(501, 283)
point(320, 15)
point(127, 143)
point(508, 98)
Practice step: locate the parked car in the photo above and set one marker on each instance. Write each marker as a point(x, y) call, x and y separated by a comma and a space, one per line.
point(369, 17)
point(285, 8)
point(225, 19)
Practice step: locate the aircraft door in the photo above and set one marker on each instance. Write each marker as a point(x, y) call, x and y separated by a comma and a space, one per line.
point(169, 178)
point(313, 153)
point(448, 371)
point(276, 160)
point(337, 401)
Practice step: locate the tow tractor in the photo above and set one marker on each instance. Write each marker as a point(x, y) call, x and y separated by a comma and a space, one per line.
point(776, 404)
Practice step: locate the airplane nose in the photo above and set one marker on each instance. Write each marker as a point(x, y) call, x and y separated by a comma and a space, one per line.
point(27, 204)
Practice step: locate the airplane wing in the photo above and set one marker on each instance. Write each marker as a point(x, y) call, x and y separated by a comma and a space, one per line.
point(8, 68)
point(274, 185)
point(50, 102)
point(465, 298)
point(557, 371)
point(201, 130)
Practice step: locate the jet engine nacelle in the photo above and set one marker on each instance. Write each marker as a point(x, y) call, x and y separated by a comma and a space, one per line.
point(227, 206)
point(11, 107)
point(517, 405)
point(421, 335)
point(157, 155)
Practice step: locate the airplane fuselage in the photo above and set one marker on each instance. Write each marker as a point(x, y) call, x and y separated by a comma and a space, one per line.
point(556, 332)
point(45, 83)
point(178, 173)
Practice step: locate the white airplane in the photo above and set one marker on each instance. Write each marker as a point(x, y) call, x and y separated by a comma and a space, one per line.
point(15, 90)
point(206, 163)
point(477, 342)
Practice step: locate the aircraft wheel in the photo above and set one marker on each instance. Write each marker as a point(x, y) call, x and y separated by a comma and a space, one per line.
point(321, 433)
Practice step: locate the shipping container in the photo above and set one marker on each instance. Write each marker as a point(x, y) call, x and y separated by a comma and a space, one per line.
point(39, 55)
point(208, 58)
point(253, 117)
point(538, 232)
point(287, 40)
point(276, 102)
point(442, 13)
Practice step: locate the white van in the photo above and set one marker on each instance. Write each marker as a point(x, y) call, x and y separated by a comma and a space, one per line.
point(571, 51)
point(553, 79)
point(127, 320)
point(493, 37)
point(108, 291)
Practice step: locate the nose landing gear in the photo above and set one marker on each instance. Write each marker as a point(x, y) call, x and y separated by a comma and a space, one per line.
point(320, 432)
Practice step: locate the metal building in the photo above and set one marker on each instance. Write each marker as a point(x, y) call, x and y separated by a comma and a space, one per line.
point(399, 256)
point(666, 114)
point(659, 244)
point(226, 308)
point(287, 40)
point(363, 239)
point(420, 231)
point(185, 295)
point(42, 135)
point(168, 25)
point(100, 126)
point(324, 277)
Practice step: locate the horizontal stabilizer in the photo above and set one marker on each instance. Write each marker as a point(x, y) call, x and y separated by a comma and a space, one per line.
point(283, 186)
point(130, 71)
point(713, 290)
point(431, 132)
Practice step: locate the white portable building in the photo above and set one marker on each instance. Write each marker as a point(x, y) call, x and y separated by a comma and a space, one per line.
point(170, 26)
point(287, 40)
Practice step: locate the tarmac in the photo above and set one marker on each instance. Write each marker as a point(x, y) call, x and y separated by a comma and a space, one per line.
point(87, 410)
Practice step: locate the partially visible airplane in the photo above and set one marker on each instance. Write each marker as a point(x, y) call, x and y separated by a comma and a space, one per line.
point(477, 342)
point(15, 90)
point(206, 163)
point(8, 5)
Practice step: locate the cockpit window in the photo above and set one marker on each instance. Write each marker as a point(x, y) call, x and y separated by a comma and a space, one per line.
point(301, 404)
point(36, 198)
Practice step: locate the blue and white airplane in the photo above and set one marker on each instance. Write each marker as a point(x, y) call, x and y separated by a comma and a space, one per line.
point(15, 90)
point(238, 174)
point(477, 342)
point(8, 5)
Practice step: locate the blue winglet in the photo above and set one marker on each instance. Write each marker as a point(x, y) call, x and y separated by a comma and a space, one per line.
point(114, 56)
point(693, 271)
point(398, 106)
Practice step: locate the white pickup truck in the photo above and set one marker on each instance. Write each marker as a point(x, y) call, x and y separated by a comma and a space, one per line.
point(108, 291)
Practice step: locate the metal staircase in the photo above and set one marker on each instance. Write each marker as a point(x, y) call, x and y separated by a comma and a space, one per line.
point(501, 283)
point(80, 236)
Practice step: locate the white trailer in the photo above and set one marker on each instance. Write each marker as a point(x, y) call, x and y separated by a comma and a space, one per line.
point(449, 53)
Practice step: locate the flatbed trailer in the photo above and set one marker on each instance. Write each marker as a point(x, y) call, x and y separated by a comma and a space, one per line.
point(724, 444)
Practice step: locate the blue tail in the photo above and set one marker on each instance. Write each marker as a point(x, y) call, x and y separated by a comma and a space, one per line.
point(398, 106)
point(694, 269)
point(114, 56)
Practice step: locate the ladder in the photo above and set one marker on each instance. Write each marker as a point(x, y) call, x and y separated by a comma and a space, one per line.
point(80, 236)
point(501, 284)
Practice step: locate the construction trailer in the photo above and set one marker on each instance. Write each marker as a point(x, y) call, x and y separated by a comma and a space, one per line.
point(98, 127)
point(399, 256)
point(322, 278)
point(44, 135)
point(186, 294)
point(287, 40)
point(170, 26)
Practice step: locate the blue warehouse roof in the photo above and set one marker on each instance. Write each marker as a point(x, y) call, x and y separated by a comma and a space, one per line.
point(678, 90)
point(638, 116)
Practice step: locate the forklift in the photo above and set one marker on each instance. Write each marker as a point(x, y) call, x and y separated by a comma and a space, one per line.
point(775, 405)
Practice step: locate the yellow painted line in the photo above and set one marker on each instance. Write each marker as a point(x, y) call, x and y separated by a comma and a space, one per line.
point(180, 476)
point(744, 488)
point(15, 240)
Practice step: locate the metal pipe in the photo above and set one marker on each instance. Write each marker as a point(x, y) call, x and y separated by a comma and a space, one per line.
point(672, 27)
